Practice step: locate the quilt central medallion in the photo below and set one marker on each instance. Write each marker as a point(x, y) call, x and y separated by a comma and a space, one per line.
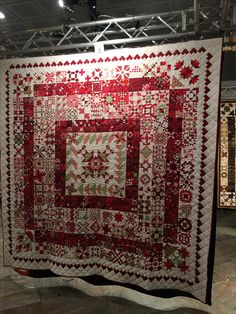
point(98, 168)
point(97, 162)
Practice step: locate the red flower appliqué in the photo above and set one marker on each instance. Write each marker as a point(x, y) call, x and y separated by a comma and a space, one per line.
point(183, 251)
point(178, 65)
point(186, 72)
point(194, 79)
point(183, 267)
point(195, 63)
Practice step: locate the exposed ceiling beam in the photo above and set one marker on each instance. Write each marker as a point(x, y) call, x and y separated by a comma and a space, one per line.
point(225, 9)
point(105, 43)
point(101, 22)
point(149, 28)
point(196, 15)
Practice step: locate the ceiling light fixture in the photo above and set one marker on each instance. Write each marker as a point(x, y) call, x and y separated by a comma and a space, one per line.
point(61, 3)
point(2, 15)
point(67, 3)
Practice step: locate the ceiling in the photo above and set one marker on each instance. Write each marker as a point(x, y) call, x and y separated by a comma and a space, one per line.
point(28, 14)
point(42, 27)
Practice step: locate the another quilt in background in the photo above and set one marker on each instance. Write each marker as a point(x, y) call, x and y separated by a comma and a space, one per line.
point(108, 164)
point(227, 156)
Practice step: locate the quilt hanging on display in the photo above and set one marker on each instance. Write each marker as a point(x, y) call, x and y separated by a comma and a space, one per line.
point(108, 164)
point(227, 156)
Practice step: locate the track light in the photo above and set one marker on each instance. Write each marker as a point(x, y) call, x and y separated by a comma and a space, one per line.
point(2, 15)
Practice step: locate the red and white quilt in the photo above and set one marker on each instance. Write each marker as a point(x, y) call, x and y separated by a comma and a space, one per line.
point(108, 164)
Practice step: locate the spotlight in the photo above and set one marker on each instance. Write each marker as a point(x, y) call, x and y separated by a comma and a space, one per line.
point(61, 3)
point(2, 15)
point(67, 3)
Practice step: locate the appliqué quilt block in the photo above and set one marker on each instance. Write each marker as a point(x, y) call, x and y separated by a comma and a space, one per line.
point(108, 164)
point(227, 156)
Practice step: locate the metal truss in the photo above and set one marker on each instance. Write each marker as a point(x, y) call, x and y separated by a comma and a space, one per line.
point(228, 91)
point(201, 21)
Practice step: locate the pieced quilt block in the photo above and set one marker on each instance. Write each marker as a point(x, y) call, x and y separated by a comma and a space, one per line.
point(227, 156)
